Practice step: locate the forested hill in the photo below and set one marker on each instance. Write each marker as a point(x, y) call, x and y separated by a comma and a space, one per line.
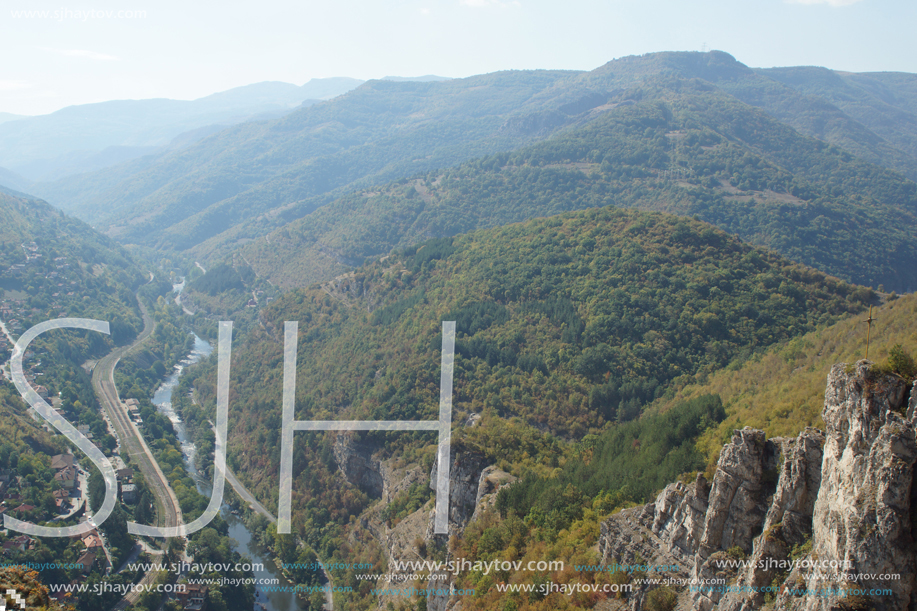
point(52, 266)
point(871, 115)
point(381, 130)
point(883, 102)
point(563, 324)
point(241, 183)
point(673, 145)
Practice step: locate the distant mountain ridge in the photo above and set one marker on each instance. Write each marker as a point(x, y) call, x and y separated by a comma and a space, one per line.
point(427, 78)
point(241, 183)
point(12, 180)
point(679, 146)
point(49, 146)
point(883, 102)
point(6, 116)
point(382, 130)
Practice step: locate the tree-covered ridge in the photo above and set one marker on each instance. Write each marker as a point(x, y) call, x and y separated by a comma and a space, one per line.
point(857, 112)
point(782, 389)
point(622, 295)
point(26, 219)
point(241, 183)
point(53, 266)
point(883, 103)
point(565, 325)
point(675, 146)
point(381, 130)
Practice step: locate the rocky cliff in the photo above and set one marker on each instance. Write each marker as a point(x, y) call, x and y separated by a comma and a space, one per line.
point(813, 523)
point(472, 487)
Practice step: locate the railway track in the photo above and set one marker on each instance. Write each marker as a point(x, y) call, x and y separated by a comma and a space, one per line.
point(131, 441)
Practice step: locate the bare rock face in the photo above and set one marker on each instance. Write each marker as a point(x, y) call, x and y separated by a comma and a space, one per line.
point(356, 463)
point(745, 475)
point(779, 508)
point(678, 515)
point(736, 508)
point(788, 522)
point(912, 406)
point(797, 488)
point(862, 516)
point(466, 482)
point(464, 479)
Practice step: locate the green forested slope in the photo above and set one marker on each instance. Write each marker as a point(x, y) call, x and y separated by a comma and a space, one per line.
point(883, 103)
point(241, 183)
point(51, 264)
point(566, 325)
point(782, 390)
point(673, 145)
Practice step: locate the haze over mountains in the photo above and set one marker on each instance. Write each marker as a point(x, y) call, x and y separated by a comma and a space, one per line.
point(604, 240)
point(215, 192)
point(92, 136)
point(736, 146)
point(6, 116)
point(692, 151)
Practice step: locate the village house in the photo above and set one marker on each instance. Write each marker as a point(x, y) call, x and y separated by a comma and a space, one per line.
point(66, 477)
point(21, 543)
point(61, 500)
point(194, 597)
point(129, 493)
point(86, 561)
point(61, 461)
point(92, 540)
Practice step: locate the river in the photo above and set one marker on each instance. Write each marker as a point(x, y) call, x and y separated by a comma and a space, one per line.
point(242, 537)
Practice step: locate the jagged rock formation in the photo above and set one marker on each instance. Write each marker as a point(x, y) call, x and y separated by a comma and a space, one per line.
point(489, 483)
point(472, 487)
point(357, 464)
point(845, 496)
point(788, 522)
point(464, 482)
point(863, 515)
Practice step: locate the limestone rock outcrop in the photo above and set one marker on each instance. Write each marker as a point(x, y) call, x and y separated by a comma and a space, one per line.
point(355, 461)
point(862, 518)
point(780, 513)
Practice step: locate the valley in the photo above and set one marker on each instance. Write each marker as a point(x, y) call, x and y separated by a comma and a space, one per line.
point(658, 270)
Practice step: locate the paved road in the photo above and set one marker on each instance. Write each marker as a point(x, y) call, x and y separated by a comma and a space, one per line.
point(132, 442)
point(243, 492)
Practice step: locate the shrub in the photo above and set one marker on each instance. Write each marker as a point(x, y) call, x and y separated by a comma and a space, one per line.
point(801, 550)
point(660, 599)
point(901, 363)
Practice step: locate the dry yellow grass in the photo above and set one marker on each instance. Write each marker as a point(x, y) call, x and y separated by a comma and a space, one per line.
point(783, 390)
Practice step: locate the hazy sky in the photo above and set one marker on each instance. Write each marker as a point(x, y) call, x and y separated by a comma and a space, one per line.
point(61, 52)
